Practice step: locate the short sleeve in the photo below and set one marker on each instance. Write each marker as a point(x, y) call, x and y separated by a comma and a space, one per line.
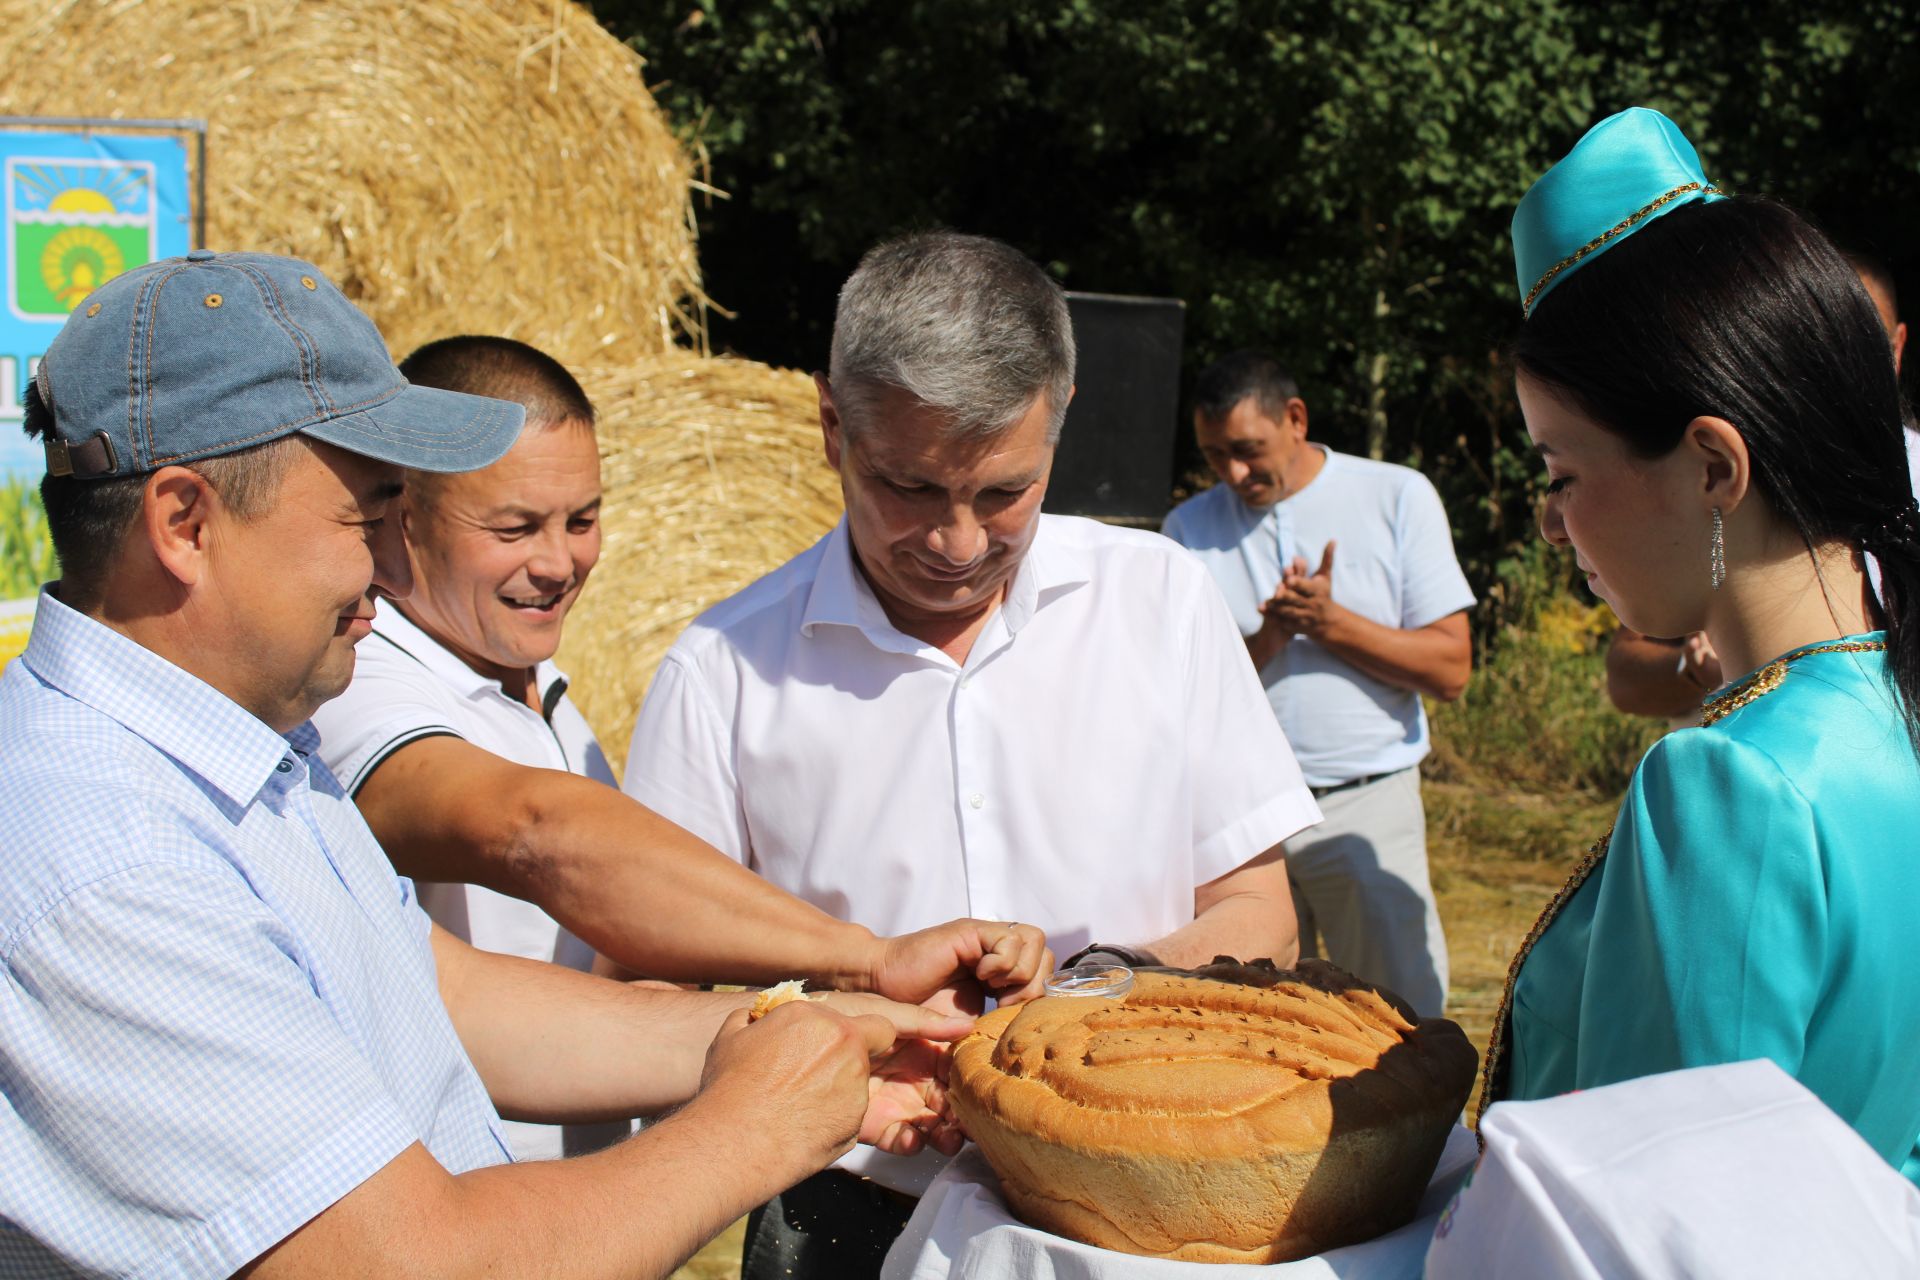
point(1175, 526)
point(182, 1107)
point(1248, 792)
point(1431, 584)
point(680, 761)
point(1710, 926)
point(380, 712)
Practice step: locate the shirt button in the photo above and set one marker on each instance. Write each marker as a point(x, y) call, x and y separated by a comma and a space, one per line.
point(965, 681)
point(285, 766)
point(976, 799)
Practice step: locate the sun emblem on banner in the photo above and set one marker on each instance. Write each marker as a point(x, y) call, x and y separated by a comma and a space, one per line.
point(72, 225)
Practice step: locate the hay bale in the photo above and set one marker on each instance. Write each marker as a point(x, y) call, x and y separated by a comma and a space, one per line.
point(460, 166)
point(714, 475)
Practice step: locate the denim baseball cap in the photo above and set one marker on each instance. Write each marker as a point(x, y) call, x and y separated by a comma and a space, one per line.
point(193, 357)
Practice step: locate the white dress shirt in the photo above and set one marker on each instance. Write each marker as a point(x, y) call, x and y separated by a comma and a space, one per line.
point(407, 686)
point(1104, 749)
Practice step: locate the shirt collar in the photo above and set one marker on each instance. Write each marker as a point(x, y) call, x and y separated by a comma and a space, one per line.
point(176, 711)
point(841, 595)
point(401, 632)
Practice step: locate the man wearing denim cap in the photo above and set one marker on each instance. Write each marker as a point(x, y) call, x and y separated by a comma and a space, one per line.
point(229, 1038)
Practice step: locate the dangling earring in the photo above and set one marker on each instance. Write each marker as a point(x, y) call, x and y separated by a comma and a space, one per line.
point(1719, 556)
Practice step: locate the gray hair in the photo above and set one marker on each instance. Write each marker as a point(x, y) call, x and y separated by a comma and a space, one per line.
point(963, 324)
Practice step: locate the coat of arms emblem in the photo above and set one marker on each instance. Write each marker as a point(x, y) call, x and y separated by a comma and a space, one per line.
point(72, 225)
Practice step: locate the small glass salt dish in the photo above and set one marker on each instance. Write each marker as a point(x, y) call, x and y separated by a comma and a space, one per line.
point(1106, 981)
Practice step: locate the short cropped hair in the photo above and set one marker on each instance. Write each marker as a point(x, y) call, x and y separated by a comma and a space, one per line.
point(964, 324)
point(1868, 267)
point(1245, 374)
point(504, 369)
point(89, 519)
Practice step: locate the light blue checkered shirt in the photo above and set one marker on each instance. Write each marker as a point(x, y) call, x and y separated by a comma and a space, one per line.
point(219, 1012)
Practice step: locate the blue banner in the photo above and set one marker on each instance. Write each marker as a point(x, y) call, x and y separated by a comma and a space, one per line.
point(80, 209)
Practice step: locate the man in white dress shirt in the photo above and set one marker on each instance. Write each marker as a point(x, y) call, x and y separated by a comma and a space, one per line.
point(953, 702)
point(1345, 650)
point(482, 780)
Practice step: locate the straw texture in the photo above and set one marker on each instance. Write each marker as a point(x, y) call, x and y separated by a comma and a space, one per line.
point(714, 475)
point(459, 166)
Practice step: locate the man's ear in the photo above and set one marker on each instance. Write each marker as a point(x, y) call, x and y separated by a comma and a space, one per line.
point(829, 420)
point(1297, 418)
point(177, 511)
point(1726, 469)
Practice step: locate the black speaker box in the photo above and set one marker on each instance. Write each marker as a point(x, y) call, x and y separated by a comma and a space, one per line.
point(1115, 459)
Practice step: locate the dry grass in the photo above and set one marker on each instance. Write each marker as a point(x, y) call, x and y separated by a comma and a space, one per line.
point(459, 166)
point(714, 475)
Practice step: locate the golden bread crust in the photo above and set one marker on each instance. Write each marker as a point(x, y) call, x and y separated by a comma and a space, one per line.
point(1248, 1115)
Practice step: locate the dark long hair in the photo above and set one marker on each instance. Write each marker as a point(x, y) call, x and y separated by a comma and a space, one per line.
point(1738, 309)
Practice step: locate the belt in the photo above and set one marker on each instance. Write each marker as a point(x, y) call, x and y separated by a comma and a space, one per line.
point(1351, 783)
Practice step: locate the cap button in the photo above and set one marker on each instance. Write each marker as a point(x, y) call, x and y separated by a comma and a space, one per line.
point(199, 255)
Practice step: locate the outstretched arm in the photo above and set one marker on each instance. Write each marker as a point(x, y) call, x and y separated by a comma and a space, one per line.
point(778, 1100)
point(648, 894)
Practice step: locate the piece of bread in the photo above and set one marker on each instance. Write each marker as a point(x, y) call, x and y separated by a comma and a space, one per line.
point(778, 994)
point(1252, 1114)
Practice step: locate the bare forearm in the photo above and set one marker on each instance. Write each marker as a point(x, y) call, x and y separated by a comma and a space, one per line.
point(653, 897)
point(639, 1209)
point(1264, 645)
point(635, 887)
point(1246, 913)
point(1424, 659)
point(557, 1046)
point(1644, 677)
point(1246, 928)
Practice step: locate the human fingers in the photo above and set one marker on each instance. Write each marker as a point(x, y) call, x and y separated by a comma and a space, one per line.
point(908, 1021)
point(1326, 563)
point(1016, 955)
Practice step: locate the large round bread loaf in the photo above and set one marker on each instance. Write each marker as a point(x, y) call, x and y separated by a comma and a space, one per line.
point(1228, 1114)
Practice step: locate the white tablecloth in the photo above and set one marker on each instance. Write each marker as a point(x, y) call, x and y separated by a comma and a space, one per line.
point(964, 1231)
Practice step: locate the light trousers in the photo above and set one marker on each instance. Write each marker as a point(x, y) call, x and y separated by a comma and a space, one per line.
point(1363, 894)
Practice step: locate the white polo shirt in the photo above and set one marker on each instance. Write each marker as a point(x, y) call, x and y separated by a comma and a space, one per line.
point(1104, 749)
point(407, 686)
point(1393, 564)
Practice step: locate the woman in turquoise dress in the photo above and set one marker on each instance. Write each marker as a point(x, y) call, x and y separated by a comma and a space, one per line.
point(1716, 405)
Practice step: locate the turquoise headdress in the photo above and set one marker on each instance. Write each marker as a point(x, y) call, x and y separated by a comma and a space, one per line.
point(1628, 170)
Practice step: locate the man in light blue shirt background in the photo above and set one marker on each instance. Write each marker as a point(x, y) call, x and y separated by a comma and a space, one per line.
point(1341, 574)
point(229, 1038)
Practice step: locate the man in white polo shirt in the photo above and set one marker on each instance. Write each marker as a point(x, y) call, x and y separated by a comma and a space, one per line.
point(953, 702)
point(1345, 649)
point(480, 778)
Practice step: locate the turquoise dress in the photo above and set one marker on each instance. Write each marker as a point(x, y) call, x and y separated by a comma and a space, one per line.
point(1758, 900)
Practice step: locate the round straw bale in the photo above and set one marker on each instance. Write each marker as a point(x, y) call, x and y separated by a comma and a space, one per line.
point(714, 475)
point(461, 166)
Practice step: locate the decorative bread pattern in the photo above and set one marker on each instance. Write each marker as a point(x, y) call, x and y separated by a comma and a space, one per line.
point(1235, 1113)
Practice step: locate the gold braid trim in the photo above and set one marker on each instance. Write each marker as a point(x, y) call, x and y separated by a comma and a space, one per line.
point(1493, 1075)
point(1772, 676)
point(1493, 1079)
point(1599, 242)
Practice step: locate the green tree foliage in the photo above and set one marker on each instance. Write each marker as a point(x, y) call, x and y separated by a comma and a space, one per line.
point(1331, 179)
